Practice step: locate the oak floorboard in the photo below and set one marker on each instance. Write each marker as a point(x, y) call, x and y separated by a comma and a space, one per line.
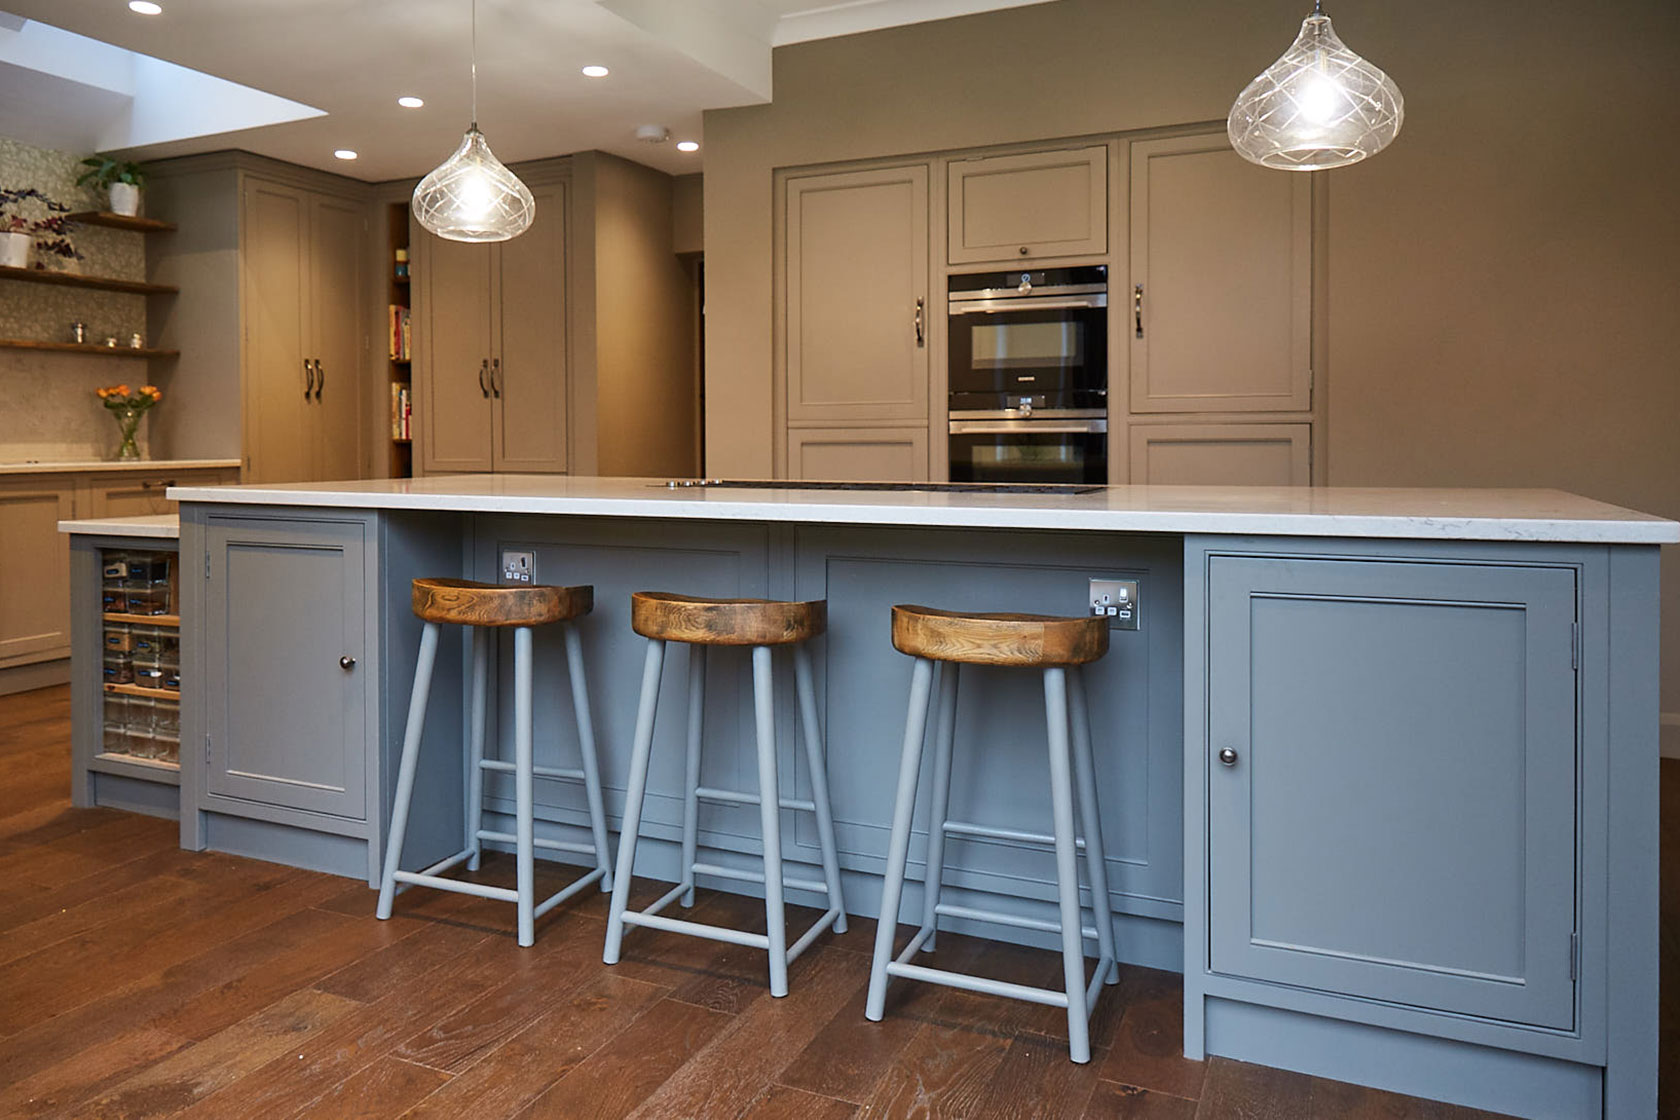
point(47, 901)
point(1113, 1101)
point(378, 1091)
point(944, 1073)
point(849, 1055)
point(1147, 1049)
point(783, 1103)
point(131, 903)
point(1238, 1089)
point(1337, 1100)
point(58, 1088)
point(1036, 1079)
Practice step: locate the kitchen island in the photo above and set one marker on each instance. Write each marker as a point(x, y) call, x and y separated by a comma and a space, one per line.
point(1378, 767)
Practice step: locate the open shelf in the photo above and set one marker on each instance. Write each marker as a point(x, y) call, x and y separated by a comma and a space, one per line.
point(142, 690)
point(121, 221)
point(75, 280)
point(86, 348)
point(143, 619)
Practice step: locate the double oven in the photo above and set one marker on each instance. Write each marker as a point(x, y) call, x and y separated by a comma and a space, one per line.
point(1029, 376)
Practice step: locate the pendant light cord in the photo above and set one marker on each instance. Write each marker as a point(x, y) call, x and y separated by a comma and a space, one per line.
point(475, 65)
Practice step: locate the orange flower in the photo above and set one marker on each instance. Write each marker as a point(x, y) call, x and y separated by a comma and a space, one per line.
point(151, 391)
point(121, 390)
point(103, 393)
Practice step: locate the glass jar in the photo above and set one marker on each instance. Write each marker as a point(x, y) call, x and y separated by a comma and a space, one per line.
point(167, 748)
point(119, 668)
point(116, 739)
point(119, 638)
point(166, 717)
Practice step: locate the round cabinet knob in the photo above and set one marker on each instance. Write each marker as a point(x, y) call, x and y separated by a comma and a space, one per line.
point(1228, 756)
point(347, 663)
point(1024, 250)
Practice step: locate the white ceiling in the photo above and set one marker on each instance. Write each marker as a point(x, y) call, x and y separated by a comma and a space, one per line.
point(352, 58)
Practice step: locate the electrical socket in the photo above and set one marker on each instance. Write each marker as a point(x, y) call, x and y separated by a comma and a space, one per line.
point(518, 567)
point(1116, 600)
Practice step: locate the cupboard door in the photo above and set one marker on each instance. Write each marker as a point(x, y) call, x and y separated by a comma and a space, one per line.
point(858, 454)
point(1398, 822)
point(857, 305)
point(34, 570)
point(335, 279)
point(1222, 253)
point(275, 232)
point(285, 717)
point(452, 354)
point(529, 390)
point(1019, 208)
point(1221, 454)
point(133, 495)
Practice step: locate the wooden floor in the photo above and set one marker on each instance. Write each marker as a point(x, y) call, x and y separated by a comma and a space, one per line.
point(137, 980)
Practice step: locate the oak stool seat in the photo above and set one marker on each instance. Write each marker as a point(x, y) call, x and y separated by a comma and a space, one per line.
point(1059, 648)
point(762, 624)
point(484, 607)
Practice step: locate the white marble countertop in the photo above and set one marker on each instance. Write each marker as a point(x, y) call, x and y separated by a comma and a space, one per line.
point(101, 465)
point(1448, 514)
point(163, 526)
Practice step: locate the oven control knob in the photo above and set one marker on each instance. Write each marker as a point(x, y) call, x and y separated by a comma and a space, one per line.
point(1026, 283)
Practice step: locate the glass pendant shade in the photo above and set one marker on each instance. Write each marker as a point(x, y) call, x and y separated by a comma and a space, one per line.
point(1319, 106)
point(471, 196)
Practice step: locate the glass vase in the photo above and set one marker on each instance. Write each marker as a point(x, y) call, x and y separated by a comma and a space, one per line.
point(128, 422)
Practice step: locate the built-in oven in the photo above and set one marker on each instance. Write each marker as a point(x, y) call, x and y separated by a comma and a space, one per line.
point(1029, 375)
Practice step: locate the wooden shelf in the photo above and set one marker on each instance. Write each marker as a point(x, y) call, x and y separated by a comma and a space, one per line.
point(142, 690)
point(143, 619)
point(401, 361)
point(86, 348)
point(122, 221)
point(73, 280)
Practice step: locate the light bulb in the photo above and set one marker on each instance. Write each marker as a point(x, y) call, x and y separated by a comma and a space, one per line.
point(471, 196)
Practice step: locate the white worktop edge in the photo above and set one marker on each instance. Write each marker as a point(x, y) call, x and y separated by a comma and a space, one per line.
point(100, 466)
point(162, 526)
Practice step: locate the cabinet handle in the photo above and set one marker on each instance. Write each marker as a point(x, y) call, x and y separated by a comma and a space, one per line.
point(157, 484)
point(495, 378)
point(1228, 756)
point(347, 663)
point(1024, 250)
point(921, 330)
point(483, 368)
point(1137, 308)
point(320, 378)
point(308, 379)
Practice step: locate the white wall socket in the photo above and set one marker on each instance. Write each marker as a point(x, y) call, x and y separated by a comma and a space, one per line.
point(518, 567)
point(1117, 601)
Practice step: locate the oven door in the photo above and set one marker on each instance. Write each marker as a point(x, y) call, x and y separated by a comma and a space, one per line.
point(1052, 351)
point(1068, 451)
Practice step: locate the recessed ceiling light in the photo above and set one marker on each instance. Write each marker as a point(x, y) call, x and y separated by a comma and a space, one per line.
point(145, 7)
point(595, 71)
point(688, 146)
point(345, 153)
point(410, 102)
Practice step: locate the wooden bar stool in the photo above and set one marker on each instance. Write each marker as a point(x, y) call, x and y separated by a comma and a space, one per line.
point(485, 606)
point(762, 624)
point(1058, 647)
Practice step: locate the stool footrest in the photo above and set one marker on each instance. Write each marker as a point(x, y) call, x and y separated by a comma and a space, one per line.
point(560, 773)
point(742, 797)
point(743, 876)
point(987, 832)
point(949, 910)
point(566, 892)
point(539, 842)
point(817, 927)
point(697, 929)
point(459, 886)
point(977, 984)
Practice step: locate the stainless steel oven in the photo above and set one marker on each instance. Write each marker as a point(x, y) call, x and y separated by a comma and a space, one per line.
point(1029, 376)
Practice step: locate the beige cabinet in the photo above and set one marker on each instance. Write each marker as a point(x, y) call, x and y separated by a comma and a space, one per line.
point(133, 494)
point(857, 318)
point(490, 348)
point(1221, 454)
point(34, 569)
point(1022, 207)
point(301, 266)
point(1221, 281)
point(858, 454)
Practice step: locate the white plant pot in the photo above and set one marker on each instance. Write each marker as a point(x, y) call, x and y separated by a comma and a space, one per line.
point(14, 249)
point(125, 199)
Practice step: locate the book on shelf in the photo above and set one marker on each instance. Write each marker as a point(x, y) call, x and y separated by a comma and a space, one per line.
point(399, 336)
point(402, 410)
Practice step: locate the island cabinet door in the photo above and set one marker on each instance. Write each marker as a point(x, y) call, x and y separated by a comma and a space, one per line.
point(1395, 819)
point(285, 705)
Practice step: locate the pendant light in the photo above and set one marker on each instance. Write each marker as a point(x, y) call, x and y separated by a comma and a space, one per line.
point(471, 196)
point(1319, 106)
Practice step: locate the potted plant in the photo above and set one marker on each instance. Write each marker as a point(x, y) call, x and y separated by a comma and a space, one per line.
point(122, 182)
point(18, 228)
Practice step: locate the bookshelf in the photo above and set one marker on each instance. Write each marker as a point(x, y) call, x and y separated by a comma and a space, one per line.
point(399, 341)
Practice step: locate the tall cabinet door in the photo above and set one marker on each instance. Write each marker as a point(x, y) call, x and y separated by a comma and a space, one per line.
point(1398, 825)
point(1221, 275)
point(857, 304)
point(335, 274)
point(452, 354)
point(276, 311)
point(286, 599)
point(35, 585)
point(529, 395)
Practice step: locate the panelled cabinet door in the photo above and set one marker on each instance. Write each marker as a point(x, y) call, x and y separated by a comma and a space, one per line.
point(1221, 454)
point(1020, 208)
point(278, 388)
point(529, 385)
point(1221, 281)
point(1398, 825)
point(34, 571)
point(857, 305)
point(284, 713)
point(858, 454)
point(336, 298)
point(452, 354)
point(134, 495)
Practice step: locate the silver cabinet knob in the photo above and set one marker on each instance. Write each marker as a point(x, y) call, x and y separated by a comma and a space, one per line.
point(347, 663)
point(1228, 756)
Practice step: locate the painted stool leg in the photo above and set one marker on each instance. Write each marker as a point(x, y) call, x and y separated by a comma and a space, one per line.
point(898, 847)
point(770, 819)
point(691, 782)
point(524, 814)
point(640, 750)
point(405, 769)
point(586, 748)
point(814, 759)
point(1067, 865)
point(479, 716)
point(944, 739)
point(1085, 781)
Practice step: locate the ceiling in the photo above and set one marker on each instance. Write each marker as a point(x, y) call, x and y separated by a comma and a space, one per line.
point(670, 59)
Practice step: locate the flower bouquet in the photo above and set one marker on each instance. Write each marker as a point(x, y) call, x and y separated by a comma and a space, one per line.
point(128, 408)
